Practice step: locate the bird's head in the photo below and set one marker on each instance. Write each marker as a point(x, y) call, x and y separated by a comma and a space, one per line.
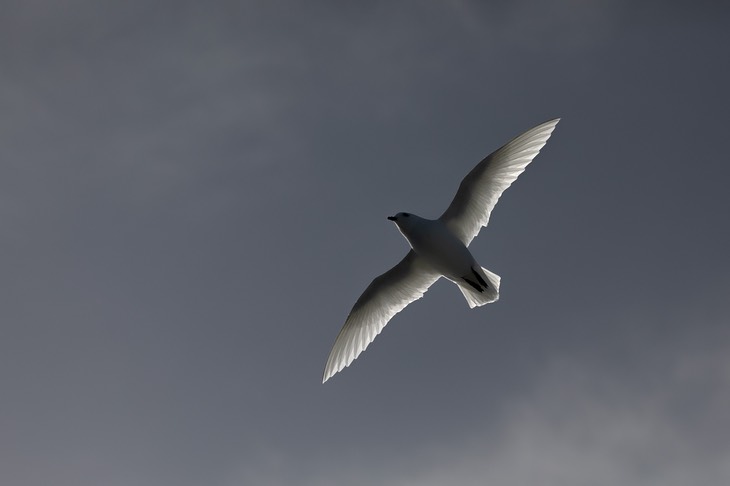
point(410, 225)
point(404, 220)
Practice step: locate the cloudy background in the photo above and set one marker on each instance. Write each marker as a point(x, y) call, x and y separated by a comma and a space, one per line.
point(193, 195)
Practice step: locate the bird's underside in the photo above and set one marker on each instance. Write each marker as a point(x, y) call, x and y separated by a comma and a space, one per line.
point(439, 248)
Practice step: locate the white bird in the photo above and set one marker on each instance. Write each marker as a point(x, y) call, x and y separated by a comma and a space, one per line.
point(439, 249)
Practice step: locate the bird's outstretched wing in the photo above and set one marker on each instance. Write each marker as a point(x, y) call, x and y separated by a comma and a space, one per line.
point(387, 295)
point(481, 188)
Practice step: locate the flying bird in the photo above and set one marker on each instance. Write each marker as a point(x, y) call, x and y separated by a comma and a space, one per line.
point(439, 248)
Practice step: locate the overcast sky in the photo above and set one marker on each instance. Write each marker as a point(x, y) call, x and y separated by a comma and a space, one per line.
point(193, 195)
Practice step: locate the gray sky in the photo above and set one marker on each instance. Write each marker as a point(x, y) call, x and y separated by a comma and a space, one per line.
point(193, 195)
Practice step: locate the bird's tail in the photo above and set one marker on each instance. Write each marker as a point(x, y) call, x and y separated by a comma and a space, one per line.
point(482, 287)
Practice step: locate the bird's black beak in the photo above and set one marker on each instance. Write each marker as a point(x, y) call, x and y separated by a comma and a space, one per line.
point(392, 218)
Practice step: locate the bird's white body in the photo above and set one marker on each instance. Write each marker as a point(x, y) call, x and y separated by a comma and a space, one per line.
point(432, 239)
point(439, 248)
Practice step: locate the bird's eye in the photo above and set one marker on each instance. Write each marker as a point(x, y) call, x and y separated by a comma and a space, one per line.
point(406, 214)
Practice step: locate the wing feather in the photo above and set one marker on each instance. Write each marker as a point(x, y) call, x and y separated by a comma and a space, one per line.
point(482, 187)
point(387, 295)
